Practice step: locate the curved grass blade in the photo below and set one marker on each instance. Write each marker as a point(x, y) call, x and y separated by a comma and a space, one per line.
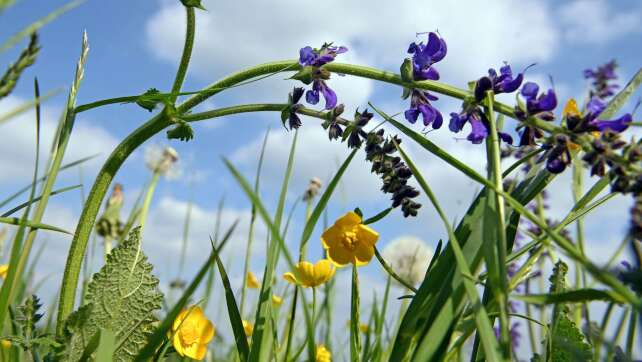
point(377, 217)
point(41, 179)
point(622, 97)
point(27, 203)
point(571, 296)
point(355, 335)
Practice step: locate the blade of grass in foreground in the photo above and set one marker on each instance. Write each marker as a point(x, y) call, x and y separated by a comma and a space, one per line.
point(26, 203)
point(484, 327)
point(276, 237)
point(156, 339)
point(355, 337)
point(263, 328)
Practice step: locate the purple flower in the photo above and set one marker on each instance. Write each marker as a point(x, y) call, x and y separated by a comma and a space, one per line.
point(502, 83)
point(423, 58)
point(420, 104)
point(591, 121)
point(478, 123)
point(557, 154)
point(316, 58)
point(540, 106)
point(600, 80)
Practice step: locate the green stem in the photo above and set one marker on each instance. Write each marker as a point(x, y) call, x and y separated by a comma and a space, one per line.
point(187, 53)
point(160, 122)
point(148, 200)
point(496, 172)
point(391, 272)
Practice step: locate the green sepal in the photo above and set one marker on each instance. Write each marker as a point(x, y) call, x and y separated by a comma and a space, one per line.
point(181, 131)
point(346, 132)
point(406, 93)
point(471, 85)
point(285, 114)
point(193, 4)
point(150, 99)
point(304, 75)
point(358, 212)
point(520, 104)
point(406, 71)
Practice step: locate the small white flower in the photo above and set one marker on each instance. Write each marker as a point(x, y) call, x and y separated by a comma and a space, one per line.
point(162, 160)
point(409, 257)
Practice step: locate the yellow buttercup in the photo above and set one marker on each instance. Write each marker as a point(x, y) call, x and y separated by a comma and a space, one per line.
point(349, 241)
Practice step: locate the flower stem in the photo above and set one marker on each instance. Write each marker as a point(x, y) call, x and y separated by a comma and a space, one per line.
point(494, 161)
point(148, 200)
point(391, 272)
point(187, 53)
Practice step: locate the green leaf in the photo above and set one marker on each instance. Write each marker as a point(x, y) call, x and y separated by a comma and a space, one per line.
point(567, 341)
point(572, 296)
point(122, 297)
point(233, 311)
point(31, 224)
point(622, 97)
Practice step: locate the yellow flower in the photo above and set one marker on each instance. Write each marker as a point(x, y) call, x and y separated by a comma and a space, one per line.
point(349, 241)
point(323, 355)
point(192, 331)
point(5, 343)
point(4, 268)
point(570, 109)
point(311, 275)
point(363, 328)
point(251, 281)
point(276, 300)
point(248, 328)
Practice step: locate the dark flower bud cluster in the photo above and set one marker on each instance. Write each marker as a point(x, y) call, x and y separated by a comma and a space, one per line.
point(333, 124)
point(420, 67)
point(288, 114)
point(600, 80)
point(393, 171)
point(313, 72)
point(354, 132)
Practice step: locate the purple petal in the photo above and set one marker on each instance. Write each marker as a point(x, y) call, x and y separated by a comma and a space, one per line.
point(483, 84)
point(411, 115)
point(478, 132)
point(555, 165)
point(414, 48)
point(307, 56)
point(426, 73)
point(510, 85)
point(616, 125)
point(505, 137)
point(439, 119)
point(428, 113)
point(330, 97)
point(529, 90)
point(595, 107)
point(457, 122)
point(506, 71)
point(312, 96)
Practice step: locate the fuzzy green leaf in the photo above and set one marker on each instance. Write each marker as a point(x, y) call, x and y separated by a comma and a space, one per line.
point(122, 298)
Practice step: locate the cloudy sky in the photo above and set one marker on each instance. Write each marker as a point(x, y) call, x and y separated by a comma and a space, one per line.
point(136, 46)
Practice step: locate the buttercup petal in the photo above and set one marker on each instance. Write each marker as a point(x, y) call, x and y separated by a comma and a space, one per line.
point(363, 254)
point(367, 235)
point(340, 256)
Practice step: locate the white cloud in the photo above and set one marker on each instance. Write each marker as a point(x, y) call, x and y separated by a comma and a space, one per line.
point(230, 37)
point(17, 151)
point(595, 21)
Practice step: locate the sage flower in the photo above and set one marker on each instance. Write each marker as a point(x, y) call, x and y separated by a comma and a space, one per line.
point(479, 126)
point(424, 56)
point(504, 82)
point(537, 105)
point(315, 59)
point(600, 80)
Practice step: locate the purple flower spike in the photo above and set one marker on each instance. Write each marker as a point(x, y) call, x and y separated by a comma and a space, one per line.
point(478, 123)
point(601, 77)
point(540, 106)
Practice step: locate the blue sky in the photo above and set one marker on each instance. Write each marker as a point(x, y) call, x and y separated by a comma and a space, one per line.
point(135, 45)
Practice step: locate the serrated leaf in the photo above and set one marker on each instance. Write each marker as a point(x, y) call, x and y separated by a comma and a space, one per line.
point(122, 298)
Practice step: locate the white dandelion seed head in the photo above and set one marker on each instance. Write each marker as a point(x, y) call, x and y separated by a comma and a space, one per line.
point(162, 160)
point(409, 257)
